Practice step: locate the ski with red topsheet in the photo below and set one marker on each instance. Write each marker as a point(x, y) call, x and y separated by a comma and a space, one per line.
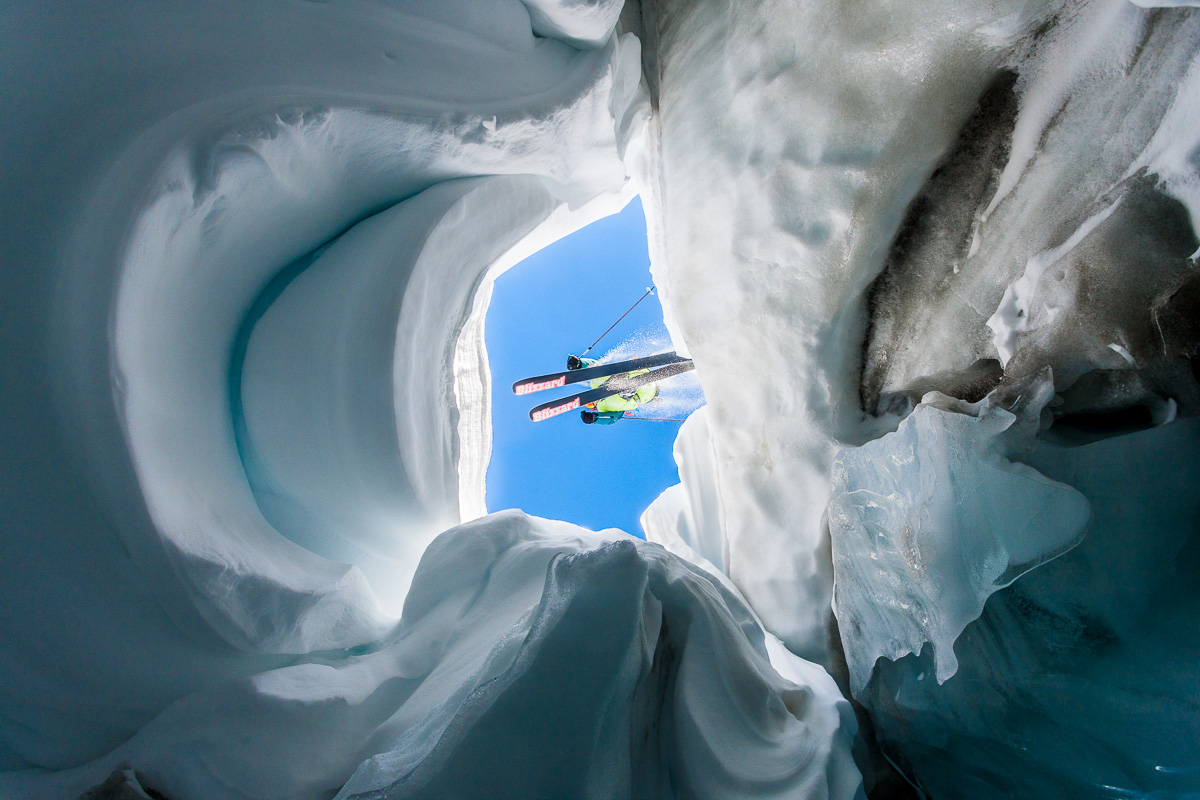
point(557, 379)
point(614, 385)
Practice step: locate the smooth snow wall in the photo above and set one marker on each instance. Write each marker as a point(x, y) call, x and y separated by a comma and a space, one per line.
point(175, 162)
point(330, 468)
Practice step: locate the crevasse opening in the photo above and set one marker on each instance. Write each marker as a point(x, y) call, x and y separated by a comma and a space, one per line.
point(591, 287)
point(935, 263)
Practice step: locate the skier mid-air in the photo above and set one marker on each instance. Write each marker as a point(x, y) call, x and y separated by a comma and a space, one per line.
point(609, 409)
point(615, 389)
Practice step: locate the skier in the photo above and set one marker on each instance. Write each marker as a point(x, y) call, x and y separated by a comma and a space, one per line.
point(608, 410)
point(634, 382)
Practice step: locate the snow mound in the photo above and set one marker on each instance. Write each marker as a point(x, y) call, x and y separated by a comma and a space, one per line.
point(534, 659)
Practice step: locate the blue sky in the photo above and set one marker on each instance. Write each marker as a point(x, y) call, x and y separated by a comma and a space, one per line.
point(554, 303)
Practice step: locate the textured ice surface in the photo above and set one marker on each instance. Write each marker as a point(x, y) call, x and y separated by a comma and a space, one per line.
point(1080, 679)
point(927, 522)
point(1059, 223)
point(792, 137)
point(844, 200)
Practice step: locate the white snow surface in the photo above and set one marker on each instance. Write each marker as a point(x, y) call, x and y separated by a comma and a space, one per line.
point(687, 518)
point(584, 23)
point(246, 296)
point(791, 139)
point(524, 643)
point(1012, 316)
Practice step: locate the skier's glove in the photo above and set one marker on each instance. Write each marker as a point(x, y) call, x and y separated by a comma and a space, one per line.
point(628, 394)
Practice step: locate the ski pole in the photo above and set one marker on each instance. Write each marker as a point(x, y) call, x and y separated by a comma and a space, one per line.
point(649, 291)
point(657, 419)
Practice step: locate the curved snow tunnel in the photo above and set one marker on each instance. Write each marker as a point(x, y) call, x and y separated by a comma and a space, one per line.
point(153, 221)
point(346, 404)
point(350, 423)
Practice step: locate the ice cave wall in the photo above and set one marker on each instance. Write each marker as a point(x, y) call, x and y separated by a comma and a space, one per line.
point(250, 256)
point(985, 212)
point(172, 162)
point(935, 263)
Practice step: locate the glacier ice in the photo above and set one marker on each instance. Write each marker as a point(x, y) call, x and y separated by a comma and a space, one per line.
point(847, 199)
point(1079, 679)
point(1078, 122)
point(936, 264)
point(927, 522)
point(792, 140)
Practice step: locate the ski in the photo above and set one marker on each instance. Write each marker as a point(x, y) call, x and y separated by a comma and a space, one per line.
point(611, 386)
point(557, 379)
